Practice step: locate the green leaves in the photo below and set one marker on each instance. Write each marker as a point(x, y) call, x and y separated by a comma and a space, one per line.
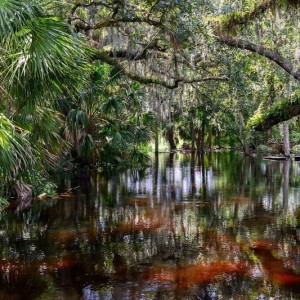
point(41, 58)
point(14, 14)
point(16, 153)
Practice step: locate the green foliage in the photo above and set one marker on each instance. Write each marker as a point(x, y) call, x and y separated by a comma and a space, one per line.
point(41, 183)
point(296, 149)
point(56, 105)
point(108, 123)
point(40, 60)
point(263, 150)
point(137, 159)
point(40, 56)
point(16, 152)
point(281, 110)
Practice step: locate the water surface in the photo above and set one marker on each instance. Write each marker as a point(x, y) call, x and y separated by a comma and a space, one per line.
point(219, 226)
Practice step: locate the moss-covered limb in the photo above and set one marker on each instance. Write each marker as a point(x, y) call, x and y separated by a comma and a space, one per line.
point(277, 113)
point(79, 4)
point(174, 83)
point(237, 18)
point(262, 50)
point(230, 21)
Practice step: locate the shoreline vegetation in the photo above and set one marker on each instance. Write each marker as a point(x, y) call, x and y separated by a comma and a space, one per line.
point(89, 85)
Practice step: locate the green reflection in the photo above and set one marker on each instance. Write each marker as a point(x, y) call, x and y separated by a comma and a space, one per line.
point(209, 226)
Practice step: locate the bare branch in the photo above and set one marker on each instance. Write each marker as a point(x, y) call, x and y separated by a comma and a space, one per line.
point(115, 22)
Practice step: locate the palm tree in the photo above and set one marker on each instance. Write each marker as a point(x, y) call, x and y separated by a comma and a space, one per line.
point(40, 61)
point(40, 58)
point(109, 122)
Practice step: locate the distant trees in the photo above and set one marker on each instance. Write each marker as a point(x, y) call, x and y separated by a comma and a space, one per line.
point(175, 43)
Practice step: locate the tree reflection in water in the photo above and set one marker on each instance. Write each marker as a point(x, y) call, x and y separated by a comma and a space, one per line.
point(215, 226)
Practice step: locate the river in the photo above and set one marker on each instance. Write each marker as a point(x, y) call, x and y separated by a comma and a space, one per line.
point(217, 226)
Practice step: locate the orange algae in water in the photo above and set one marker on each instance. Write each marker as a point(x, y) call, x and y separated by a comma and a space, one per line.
point(188, 275)
point(275, 267)
point(202, 273)
point(137, 201)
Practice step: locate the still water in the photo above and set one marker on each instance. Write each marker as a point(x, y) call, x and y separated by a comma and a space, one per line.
point(219, 226)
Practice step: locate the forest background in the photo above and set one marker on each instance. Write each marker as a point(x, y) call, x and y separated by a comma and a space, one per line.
point(91, 84)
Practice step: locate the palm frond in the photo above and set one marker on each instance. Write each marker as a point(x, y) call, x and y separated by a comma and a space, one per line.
point(40, 57)
point(16, 153)
point(14, 14)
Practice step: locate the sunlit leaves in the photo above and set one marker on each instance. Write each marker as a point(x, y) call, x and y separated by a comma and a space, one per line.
point(15, 14)
point(15, 150)
point(40, 59)
point(40, 56)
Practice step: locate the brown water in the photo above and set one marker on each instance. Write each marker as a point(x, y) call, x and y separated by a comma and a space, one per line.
point(216, 227)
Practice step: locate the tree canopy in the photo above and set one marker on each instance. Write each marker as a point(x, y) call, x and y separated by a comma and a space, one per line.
point(181, 42)
point(94, 82)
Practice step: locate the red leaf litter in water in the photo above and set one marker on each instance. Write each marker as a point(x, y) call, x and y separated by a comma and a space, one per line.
point(188, 275)
point(11, 267)
point(278, 272)
point(148, 220)
point(62, 263)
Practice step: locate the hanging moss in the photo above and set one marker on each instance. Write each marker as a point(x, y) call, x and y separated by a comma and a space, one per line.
point(230, 21)
point(280, 111)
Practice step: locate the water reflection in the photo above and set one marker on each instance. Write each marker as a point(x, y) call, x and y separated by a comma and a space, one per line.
point(216, 226)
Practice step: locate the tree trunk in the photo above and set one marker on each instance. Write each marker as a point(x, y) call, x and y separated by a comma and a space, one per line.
point(170, 138)
point(285, 186)
point(243, 137)
point(192, 130)
point(209, 139)
point(156, 143)
point(286, 139)
point(203, 126)
point(276, 115)
point(198, 139)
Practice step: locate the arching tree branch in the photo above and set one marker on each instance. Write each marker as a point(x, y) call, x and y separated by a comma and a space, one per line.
point(242, 17)
point(99, 55)
point(279, 112)
point(117, 21)
point(269, 53)
point(238, 18)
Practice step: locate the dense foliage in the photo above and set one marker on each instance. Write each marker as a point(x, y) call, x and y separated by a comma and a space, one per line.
point(91, 84)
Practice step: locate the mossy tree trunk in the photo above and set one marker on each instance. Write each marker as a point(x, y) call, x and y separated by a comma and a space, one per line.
point(192, 132)
point(286, 139)
point(170, 137)
point(243, 134)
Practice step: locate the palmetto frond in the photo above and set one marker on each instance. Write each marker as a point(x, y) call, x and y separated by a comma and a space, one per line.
point(14, 14)
point(44, 126)
point(15, 150)
point(40, 57)
point(114, 104)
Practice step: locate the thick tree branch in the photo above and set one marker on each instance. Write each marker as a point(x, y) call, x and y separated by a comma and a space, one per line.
point(114, 22)
point(242, 17)
point(150, 79)
point(153, 7)
point(269, 53)
point(81, 4)
point(237, 18)
point(279, 112)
